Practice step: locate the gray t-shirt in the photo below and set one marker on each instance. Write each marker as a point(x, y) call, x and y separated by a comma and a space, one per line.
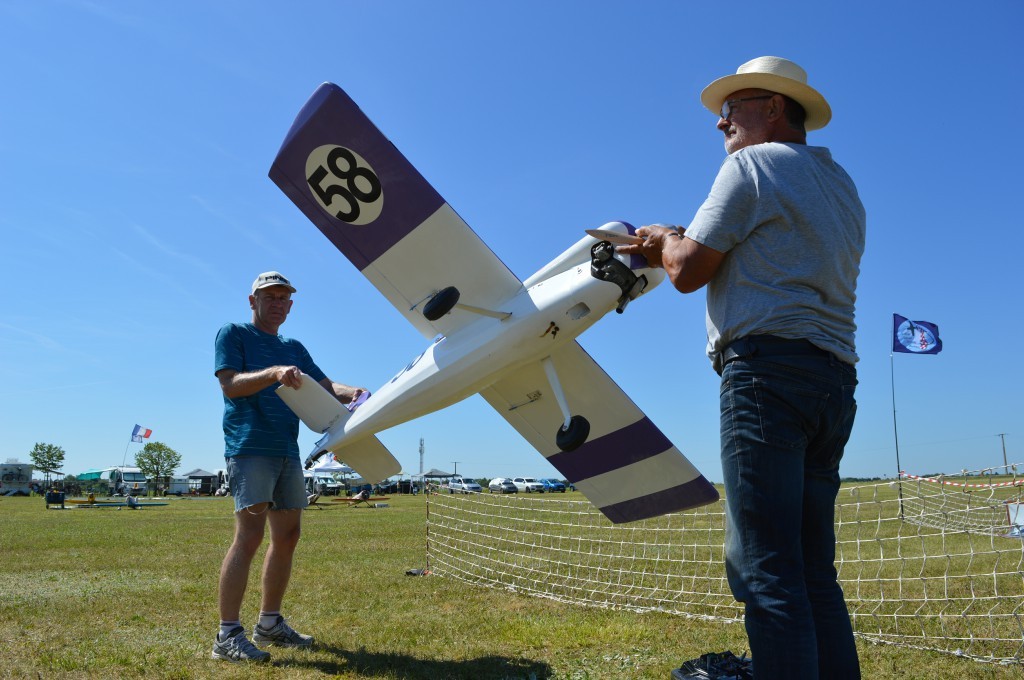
point(793, 226)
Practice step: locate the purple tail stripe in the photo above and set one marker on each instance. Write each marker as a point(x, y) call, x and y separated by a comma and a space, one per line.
point(692, 494)
point(331, 117)
point(617, 449)
point(635, 261)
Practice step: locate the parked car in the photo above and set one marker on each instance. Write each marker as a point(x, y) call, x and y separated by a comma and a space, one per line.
point(553, 485)
point(528, 484)
point(463, 485)
point(502, 485)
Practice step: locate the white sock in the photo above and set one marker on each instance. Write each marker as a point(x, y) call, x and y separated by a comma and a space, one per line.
point(228, 626)
point(269, 619)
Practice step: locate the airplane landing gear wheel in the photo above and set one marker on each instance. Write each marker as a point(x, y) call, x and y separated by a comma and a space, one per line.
point(441, 304)
point(572, 437)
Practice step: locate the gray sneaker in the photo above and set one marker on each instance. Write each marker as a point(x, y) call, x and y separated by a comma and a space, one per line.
point(281, 635)
point(237, 648)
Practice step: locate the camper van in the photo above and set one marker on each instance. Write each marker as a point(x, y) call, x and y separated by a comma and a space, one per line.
point(15, 478)
point(114, 480)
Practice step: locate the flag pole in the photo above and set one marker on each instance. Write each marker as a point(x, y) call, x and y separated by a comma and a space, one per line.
point(125, 456)
point(895, 430)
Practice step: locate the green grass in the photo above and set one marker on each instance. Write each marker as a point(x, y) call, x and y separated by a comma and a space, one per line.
point(115, 593)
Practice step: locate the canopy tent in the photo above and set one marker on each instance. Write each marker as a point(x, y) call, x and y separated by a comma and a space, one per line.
point(329, 464)
point(202, 481)
point(434, 473)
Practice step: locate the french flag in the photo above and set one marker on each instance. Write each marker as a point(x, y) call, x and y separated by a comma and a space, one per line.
point(140, 433)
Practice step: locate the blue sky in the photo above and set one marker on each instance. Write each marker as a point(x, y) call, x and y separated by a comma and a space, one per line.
point(136, 208)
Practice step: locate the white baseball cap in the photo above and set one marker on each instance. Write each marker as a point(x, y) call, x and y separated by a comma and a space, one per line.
point(268, 279)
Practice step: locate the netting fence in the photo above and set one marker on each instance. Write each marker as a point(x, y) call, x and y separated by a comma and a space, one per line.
point(932, 563)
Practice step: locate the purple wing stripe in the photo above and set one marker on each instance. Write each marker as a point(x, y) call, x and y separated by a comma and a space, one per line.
point(614, 450)
point(692, 494)
point(330, 117)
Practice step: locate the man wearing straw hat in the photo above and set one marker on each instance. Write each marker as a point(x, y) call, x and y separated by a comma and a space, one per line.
point(778, 243)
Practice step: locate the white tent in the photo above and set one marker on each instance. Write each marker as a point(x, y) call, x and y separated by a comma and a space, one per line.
point(329, 464)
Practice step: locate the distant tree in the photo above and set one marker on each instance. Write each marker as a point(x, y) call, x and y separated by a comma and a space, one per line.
point(157, 461)
point(48, 458)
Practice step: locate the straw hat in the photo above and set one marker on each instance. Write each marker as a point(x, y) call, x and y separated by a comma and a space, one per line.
point(775, 74)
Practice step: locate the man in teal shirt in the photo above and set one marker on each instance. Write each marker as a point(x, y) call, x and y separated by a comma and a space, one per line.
point(263, 463)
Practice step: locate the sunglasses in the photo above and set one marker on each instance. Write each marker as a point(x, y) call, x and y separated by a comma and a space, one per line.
point(727, 106)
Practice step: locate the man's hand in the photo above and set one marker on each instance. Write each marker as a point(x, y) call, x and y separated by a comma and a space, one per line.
point(289, 376)
point(689, 265)
point(657, 238)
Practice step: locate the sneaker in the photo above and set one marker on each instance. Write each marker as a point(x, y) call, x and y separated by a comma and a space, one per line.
point(281, 635)
point(723, 666)
point(236, 648)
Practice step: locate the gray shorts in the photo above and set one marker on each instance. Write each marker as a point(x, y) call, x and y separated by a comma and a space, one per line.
point(266, 479)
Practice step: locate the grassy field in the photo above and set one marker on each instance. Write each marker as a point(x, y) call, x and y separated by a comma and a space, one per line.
point(116, 593)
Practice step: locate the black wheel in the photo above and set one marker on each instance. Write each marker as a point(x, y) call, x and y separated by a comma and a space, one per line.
point(441, 303)
point(572, 437)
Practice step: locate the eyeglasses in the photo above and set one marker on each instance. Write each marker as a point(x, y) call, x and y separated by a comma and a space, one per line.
point(727, 106)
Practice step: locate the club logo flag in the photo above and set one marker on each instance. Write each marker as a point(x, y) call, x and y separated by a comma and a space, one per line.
point(914, 337)
point(140, 433)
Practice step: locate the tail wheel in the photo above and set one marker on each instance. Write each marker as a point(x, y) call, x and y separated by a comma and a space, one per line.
point(572, 437)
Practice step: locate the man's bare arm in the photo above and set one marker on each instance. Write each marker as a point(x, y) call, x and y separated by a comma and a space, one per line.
point(343, 393)
point(235, 384)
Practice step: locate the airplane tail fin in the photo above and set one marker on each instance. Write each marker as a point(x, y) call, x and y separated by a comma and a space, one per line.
point(321, 412)
point(370, 458)
point(314, 405)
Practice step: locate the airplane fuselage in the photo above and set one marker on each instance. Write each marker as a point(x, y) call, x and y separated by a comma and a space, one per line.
point(542, 318)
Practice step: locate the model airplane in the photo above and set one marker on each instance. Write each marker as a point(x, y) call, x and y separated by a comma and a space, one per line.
point(511, 341)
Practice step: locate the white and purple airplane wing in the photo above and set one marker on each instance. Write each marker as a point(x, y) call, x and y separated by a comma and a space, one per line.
point(627, 468)
point(513, 342)
point(371, 203)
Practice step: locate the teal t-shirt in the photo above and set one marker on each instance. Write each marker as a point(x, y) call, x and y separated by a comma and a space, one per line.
point(260, 424)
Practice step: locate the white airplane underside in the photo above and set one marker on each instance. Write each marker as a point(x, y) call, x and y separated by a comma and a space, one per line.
point(511, 341)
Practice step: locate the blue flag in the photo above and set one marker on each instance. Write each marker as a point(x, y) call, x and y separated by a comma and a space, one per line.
point(914, 337)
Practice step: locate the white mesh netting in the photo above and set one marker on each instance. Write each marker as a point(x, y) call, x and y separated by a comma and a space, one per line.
point(934, 563)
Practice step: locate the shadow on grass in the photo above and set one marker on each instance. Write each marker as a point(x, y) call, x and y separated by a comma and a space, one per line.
point(408, 667)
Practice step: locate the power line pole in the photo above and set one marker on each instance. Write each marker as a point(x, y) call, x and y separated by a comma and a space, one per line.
point(456, 464)
point(1002, 435)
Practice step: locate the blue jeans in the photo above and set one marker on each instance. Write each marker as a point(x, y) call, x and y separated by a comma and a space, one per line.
point(785, 422)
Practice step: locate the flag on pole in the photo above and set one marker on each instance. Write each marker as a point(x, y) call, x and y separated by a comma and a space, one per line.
point(914, 337)
point(140, 433)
